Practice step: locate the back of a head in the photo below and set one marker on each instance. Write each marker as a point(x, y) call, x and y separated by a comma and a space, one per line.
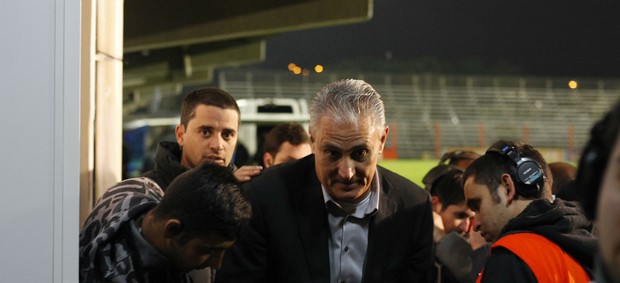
point(206, 96)
point(459, 158)
point(449, 187)
point(207, 199)
point(594, 159)
point(346, 101)
point(488, 169)
point(293, 133)
point(562, 173)
point(434, 174)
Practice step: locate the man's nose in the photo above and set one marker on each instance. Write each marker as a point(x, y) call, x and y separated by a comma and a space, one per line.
point(346, 168)
point(215, 260)
point(464, 225)
point(216, 143)
point(474, 224)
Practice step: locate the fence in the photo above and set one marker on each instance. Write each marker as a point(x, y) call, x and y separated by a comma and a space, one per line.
point(431, 113)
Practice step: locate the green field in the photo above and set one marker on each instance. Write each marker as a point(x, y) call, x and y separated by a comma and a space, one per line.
point(412, 169)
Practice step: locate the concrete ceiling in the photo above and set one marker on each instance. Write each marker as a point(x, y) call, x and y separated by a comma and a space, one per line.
point(183, 41)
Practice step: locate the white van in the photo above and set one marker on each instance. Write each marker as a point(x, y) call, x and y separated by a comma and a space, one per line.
point(259, 115)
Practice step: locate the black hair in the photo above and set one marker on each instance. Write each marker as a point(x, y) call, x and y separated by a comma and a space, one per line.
point(449, 188)
point(594, 159)
point(207, 96)
point(206, 199)
point(488, 169)
point(293, 133)
point(452, 157)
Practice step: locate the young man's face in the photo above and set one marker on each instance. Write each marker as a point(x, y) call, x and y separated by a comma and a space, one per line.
point(346, 157)
point(198, 252)
point(491, 216)
point(210, 136)
point(287, 152)
point(455, 217)
point(608, 214)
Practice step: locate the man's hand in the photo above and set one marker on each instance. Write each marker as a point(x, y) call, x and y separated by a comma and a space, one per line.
point(246, 172)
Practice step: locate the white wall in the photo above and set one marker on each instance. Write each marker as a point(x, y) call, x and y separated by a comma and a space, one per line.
point(39, 151)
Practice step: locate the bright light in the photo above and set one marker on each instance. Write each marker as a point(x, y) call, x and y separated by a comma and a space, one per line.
point(291, 66)
point(318, 68)
point(297, 70)
point(572, 84)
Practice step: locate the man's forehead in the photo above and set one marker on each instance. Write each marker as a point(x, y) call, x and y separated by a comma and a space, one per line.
point(473, 189)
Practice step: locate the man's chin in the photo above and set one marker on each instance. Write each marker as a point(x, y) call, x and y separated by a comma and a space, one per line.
point(486, 237)
point(219, 162)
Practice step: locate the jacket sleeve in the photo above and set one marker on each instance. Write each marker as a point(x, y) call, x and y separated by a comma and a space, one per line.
point(422, 261)
point(504, 266)
point(247, 259)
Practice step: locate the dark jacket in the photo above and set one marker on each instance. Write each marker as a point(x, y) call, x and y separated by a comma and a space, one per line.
point(561, 222)
point(167, 164)
point(288, 236)
point(453, 260)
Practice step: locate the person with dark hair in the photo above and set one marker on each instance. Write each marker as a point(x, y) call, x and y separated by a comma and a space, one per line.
point(335, 215)
point(453, 253)
point(285, 142)
point(207, 132)
point(459, 158)
point(597, 184)
point(136, 233)
point(534, 239)
point(563, 174)
point(449, 203)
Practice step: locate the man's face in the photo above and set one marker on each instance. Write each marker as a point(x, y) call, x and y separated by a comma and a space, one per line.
point(456, 217)
point(490, 216)
point(210, 136)
point(608, 214)
point(198, 252)
point(346, 157)
point(288, 152)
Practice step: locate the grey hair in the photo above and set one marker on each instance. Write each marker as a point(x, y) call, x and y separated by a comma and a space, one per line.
point(347, 101)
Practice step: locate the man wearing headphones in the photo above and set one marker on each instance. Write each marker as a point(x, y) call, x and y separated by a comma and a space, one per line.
point(534, 239)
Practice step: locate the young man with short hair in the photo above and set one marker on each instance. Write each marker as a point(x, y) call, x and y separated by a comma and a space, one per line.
point(534, 239)
point(285, 142)
point(136, 233)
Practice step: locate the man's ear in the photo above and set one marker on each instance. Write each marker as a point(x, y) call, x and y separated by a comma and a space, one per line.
point(311, 139)
point(436, 204)
point(173, 228)
point(511, 190)
point(179, 132)
point(267, 159)
point(384, 136)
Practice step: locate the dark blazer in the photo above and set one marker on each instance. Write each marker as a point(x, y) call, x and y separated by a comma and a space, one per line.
point(288, 236)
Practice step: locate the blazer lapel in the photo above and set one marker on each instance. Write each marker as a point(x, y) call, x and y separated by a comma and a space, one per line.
point(376, 233)
point(311, 217)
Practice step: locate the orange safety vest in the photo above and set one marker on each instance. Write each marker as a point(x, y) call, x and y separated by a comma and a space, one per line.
point(548, 261)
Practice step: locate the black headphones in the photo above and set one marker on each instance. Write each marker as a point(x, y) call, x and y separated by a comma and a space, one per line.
point(528, 174)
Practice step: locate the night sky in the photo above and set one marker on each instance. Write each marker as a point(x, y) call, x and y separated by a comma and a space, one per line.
point(543, 38)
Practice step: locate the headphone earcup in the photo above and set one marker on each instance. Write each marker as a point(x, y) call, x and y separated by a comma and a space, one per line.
point(526, 173)
point(530, 177)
